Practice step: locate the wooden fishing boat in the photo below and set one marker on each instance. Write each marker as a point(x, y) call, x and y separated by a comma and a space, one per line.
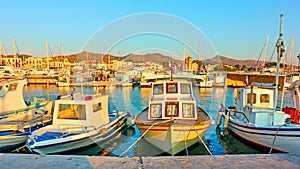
point(257, 119)
point(173, 121)
point(17, 119)
point(79, 121)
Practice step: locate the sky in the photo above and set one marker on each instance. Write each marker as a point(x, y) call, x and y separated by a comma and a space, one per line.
point(233, 28)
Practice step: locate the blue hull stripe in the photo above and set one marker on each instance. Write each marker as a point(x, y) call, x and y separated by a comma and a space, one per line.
point(263, 128)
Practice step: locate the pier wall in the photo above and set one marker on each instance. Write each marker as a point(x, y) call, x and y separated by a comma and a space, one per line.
point(274, 161)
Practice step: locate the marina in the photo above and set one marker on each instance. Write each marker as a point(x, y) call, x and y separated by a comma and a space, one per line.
point(133, 100)
point(145, 85)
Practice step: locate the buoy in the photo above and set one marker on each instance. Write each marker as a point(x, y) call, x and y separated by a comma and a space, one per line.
point(219, 118)
point(130, 120)
point(226, 120)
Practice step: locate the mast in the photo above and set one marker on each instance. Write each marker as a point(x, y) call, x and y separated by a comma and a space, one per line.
point(265, 51)
point(4, 54)
point(47, 53)
point(0, 53)
point(280, 52)
point(292, 53)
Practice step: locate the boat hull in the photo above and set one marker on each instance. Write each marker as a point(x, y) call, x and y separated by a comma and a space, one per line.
point(173, 138)
point(12, 141)
point(287, 137)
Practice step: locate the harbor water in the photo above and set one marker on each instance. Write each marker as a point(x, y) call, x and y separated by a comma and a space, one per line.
point(134, 100)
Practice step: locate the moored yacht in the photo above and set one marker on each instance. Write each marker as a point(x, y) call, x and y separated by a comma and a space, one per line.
point(257, 119)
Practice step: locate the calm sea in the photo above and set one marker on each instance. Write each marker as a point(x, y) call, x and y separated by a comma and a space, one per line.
point(135, 99)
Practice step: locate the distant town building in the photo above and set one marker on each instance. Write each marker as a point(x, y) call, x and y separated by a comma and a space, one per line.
point(12, 60)
point(33, 62)
point(188, 63)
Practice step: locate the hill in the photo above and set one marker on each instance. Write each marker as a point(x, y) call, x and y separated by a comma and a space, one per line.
point(228, 61)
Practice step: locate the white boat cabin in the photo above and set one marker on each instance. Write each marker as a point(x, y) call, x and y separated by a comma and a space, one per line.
point(172, 100)
point(257, 103)
point(256, 97)
point(82, 110)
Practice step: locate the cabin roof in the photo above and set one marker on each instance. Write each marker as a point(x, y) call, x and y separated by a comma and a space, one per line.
point(78, 96)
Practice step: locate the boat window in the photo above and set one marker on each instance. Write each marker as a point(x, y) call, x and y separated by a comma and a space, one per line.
point(253, 98)
point(71, 111)
point(155, 110)
point(188, 110)
point(185, 88)
point(264, 98)
point(239, 95)
point(288, 78)
point(97, 107)
point(63, 80)
point(12, 86)
point(158, 89)
point(172, 109)
point(172, 88)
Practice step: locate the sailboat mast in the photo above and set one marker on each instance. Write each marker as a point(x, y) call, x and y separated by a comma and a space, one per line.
point(265, 51)
point(280, 51)
point(0, 53)
point(47, 53)
point(292, 53)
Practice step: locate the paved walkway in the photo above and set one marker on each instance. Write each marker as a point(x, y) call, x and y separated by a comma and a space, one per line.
point(31, 161)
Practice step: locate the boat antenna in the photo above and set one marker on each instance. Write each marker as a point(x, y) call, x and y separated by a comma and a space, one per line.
point(171, 77)
point(280, 50)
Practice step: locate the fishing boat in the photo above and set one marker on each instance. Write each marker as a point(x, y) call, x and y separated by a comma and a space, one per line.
point(17, 119)
point(64, 80)
point(79, 121)
point(172, 122)
point(256, 118)
point(204, 83)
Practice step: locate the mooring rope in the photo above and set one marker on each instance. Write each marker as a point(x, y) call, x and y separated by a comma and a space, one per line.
point(23, 147)
point(186, 148)
point(202, 141)
point(143, 135)
point(275, 138)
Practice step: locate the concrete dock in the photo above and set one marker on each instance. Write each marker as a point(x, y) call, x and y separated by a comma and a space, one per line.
point(248, 161)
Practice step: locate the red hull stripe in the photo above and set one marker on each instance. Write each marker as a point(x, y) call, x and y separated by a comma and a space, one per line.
point(154, 129)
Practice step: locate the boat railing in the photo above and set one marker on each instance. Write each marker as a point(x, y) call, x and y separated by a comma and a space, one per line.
point(74, 127)
point(239, 115)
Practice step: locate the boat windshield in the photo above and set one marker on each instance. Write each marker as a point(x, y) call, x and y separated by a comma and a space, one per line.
point(12, 86)
point(185, 88)
point(158, 89)
point(155, 110)
point(188, 110)
point(72, 112)
point(172, 88)
point(172, 109)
